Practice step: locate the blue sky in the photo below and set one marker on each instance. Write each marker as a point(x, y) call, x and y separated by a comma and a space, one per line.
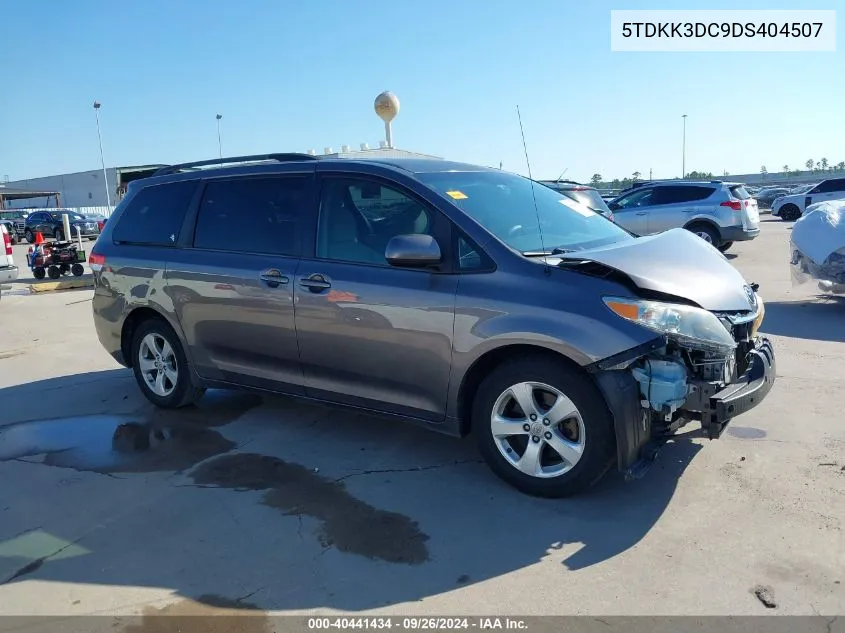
point(291, 76)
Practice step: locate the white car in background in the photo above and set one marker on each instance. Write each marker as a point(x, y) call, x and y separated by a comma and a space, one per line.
point(8, 270)
point(817, 247)
point(792, 207)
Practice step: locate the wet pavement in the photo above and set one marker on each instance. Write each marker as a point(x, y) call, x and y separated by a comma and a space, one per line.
point(258, 504)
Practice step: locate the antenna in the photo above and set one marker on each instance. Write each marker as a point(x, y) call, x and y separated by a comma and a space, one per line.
point(562, 173)
point(533, 195)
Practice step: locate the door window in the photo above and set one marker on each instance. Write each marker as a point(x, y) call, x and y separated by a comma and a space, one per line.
point(673, 194)
point(831, 186)
point(359, 217)
point(635, 200)
point(252, 215)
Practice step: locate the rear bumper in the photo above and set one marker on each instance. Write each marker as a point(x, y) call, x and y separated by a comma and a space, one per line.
point(8, 273)
point(738, 233)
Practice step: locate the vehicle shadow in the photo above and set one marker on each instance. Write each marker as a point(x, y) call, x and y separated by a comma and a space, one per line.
point(298, 505)
point(820, 319)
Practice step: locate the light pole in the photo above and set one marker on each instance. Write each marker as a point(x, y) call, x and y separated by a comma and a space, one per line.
point(102, 159)
point(219, 144)
point(684, 149)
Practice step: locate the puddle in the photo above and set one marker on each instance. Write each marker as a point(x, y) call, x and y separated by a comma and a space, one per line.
point(155, 440)
point(746, 432)
point(348, 524)
point(206, 614)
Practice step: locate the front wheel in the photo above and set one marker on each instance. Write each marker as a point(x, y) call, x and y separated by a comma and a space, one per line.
point(789, 213)
point(160, 366)
point(543, 427)
point(29, 237)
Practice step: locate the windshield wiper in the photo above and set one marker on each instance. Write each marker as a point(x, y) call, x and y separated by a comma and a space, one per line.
point(555, 251)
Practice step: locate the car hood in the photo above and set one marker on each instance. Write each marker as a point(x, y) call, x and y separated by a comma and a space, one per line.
point(679, 263)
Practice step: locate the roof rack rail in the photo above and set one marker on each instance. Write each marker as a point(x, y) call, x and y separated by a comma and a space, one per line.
point(281, 158)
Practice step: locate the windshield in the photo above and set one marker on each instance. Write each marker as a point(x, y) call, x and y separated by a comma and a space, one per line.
point(71, 216)
point(504, 204)
point(589, 197)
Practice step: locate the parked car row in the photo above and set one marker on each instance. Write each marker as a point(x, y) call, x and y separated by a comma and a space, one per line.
point(25, 223)
point(466, 299)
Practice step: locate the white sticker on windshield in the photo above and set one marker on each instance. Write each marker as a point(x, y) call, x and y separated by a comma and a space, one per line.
point(576, 207)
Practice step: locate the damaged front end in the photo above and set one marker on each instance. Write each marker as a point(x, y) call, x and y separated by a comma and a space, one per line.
point(703, 366)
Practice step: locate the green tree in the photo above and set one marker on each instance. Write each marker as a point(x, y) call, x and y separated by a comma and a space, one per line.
point(786, 170)
point(840, 165)
point(615, 183)
point(596, 180)
point(823, 164)
point(636, 176)
point(810, 163)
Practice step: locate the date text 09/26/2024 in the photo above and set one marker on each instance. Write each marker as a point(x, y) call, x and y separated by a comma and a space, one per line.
point(415, 623)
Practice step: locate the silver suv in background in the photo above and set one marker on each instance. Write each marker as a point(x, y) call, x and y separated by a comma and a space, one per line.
point(720, 213)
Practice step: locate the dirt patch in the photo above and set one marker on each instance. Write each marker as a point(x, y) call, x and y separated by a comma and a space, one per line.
point(746, 432)
point(11, 354)
point(766, 595)
point(348, 523)
point(154, 441)
point(198, 616)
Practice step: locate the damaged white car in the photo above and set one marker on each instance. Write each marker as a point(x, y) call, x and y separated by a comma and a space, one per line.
point(817, 247)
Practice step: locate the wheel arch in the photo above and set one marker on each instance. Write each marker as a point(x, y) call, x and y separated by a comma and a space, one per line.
point(131, 322)
point(487, 362)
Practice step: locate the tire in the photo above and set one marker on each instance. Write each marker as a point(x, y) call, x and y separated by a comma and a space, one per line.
point(29, 237)
point(725, 246)
point(176, 387)
point(77, 270)
point(59, 235)
point(39, 273)
point(53, 272)
point(590, 429)
point(64, 269)
point(789, 213)
point(706, 232)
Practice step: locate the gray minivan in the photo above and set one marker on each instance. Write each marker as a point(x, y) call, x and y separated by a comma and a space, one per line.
point(462, 298)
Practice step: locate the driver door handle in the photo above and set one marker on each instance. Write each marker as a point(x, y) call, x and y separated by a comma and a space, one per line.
point(642, 213)
point(273, 277)
point(315, 282)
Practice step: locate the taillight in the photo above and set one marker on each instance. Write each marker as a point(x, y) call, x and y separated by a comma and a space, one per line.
point(96, 261)
point(7, 242)
point(736, 205)
point(100, 225)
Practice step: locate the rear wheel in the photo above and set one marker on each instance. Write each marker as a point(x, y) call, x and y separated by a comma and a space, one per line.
point(725, 246)
point(39, 272)
point(543, 427)
point(705, 232)
point(790, 212)
point(53, 272)
point(77, 270)
point(160, 366)
point(29, 237)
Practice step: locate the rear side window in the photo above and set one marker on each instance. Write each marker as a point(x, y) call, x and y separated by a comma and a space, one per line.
point(252, 215)
point(680, 194)
point(739, 192)
point(155, 214)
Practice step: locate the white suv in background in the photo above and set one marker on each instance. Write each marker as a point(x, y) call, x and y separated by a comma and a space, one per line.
point(792, 207)
point(720, 213)
point(8, 270)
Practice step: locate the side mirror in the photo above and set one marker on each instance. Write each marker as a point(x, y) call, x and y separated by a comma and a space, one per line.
point(413, 250)
point(613, 206)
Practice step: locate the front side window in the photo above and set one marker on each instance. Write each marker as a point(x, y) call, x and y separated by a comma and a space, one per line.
point(252, 215)
point(636, 199)
point(154, 215)
point(359, 217)
point(527, 216)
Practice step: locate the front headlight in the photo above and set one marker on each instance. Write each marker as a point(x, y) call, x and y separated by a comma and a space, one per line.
point(691, 327)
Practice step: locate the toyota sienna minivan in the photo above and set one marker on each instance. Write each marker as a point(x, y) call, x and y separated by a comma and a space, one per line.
point(465, 299)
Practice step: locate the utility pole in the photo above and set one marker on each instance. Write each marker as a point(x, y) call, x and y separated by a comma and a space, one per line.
point(684, 150)
point(102, 159)
point(219, 144)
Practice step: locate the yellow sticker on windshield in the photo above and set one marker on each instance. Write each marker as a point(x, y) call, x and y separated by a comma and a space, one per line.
point(457, 195)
